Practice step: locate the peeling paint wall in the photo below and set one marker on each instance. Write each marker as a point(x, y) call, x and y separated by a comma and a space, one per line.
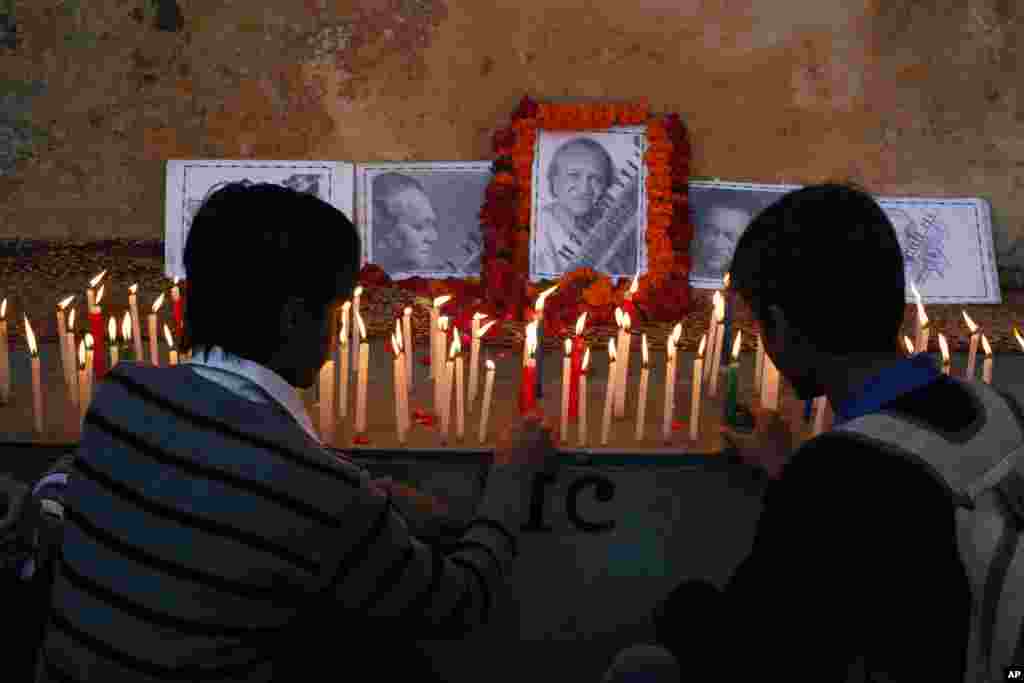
point(904, 96)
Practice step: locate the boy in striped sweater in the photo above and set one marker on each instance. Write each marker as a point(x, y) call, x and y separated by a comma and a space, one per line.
point(206, 527)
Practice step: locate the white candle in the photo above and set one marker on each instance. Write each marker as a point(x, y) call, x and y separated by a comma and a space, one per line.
point(133, 303)
point(820, 412)
point(326, 390)
point(73, 389)
point(609, 394)
point(566, 380)
point(357, 296)
point(910, 345)
point(89, 350)
point(437, 344)
point(65, 357)
point(641, 399)
point(364, 361)
point(460, 401)
point(770, 385)
point(112, 337)
point(759, 365)
point(407, 346)
point(172, 353)
point(446, 397)
point(5, 362)
point(343, 357)
point(153, 349)
point(698, 365)
point(37, 387)
point(83, 385)
point(973, 351)
point(474, 358)
point(398, 363)
point(986, 367)
point(620, 354)
point(582, 434)
point(486, 406)
point(716, 356)
point(621, 386)
point(716, 302)
point(944, 348)
point(440, 344)
point(671, 356)
point(403, 397)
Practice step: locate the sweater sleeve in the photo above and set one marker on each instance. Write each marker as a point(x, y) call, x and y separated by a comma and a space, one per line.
point(855, 555)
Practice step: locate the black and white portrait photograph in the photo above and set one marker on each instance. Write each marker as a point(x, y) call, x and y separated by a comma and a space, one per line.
point(588, 203)
point(423, 219)
point(191, 182)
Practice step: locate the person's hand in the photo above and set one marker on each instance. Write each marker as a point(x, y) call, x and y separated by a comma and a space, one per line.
point(416, 502)
point(769, 447)
point(531, 441)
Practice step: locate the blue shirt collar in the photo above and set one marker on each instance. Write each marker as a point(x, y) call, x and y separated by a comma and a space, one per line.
point(901, 378)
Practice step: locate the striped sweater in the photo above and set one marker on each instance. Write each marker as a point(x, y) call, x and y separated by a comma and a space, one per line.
point(200, 527)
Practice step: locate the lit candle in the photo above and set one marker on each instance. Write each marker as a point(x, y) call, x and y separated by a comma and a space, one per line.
point(176, 300)
point(403, 387)
point(945, 353)
point(577, 358)
point(671, 357)
point(154, 352)
point(910, 345)
point(716, 357)
point(641, 405)
point(357, 296)
point(89, 360)
point(37, 387)
point(716, 300)
point(698, 377)
point(539, 308)
point(399, 363)
point(96, 324)
point(474, 358)
point(727, 336)
point(73, 388)
point(172, 353)
point(623, 361)
point(973, 352)
point(407, 346)
point(440, 345)
point(343, 361)
point(437, 347)
point(986, 366)
point(921, 328)
point(83, 384)
point(584, 366)
point(133, 303)
point(112, 338)
point(620, 352)
point(5, 361)
point(732, 380)
point(527, 390)
point(820, 412)
point(770, 385)
point(609, 394)
point(488, 390)
point(460, 394)
point(447, 387)
point(364, 361)
point(1020, 339)
point(62, 330)
point(566, 380)
point(325, 387)
point(759, 365)
point(126, 336)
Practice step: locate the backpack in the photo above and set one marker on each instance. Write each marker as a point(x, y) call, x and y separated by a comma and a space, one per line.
point(31, 533)
point(988, 490)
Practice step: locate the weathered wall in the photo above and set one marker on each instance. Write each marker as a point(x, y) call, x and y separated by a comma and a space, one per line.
point(903, 96)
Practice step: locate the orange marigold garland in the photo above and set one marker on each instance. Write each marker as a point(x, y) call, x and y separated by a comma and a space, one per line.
point(664, 292)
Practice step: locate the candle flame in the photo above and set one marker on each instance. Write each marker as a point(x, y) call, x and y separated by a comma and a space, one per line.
point(442, 323)
point(362, 327)
point(158, 303)
point(126, 327)
point(112, 330)
point(71, 319)
point(539, 306)
point(456, 347)
point(89, 341)
point(398, 332)
point(909, 344)
point(479, 316)
point(634, 286)
point(30, 335)
point(970, 323)
point(176, 280)
point(580, 322)
point(643, 348)
point(618, 316)
point(586, 361)
point(395, 346)
point(677, 333)
point(134, 288)
point(920, 308)
point(626, 321)
point(1020, 340)
point(81, 355)
point(531, 339)
point(408, 310)
point(343, 334)
point(61, 304)
point(703, 342)
point(490, 365)
point(169, 336)
point(442, 300)
point(358, 291)
point(984, 342)
point(483, 329)
point(345, 306)
point(3, 309)
point(715, 299)
point(568, 348)
point(736, 345)
point(96, 280)
point(944, 348)
point(726, 280)
point(99, 294)
point(611, 350)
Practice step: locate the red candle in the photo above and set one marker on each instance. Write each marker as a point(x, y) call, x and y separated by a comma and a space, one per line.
point(179, 299)
point(576, 368)
point(527, 387)
point(98, 329)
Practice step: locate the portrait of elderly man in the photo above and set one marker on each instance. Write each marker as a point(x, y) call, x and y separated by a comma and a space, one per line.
point(405, 227)
point(579, 173)
point(721, 218)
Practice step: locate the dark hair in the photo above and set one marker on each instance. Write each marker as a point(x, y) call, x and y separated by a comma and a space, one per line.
point(591, 145)
point(386, 186)
point(250, 248)
point(828, 257)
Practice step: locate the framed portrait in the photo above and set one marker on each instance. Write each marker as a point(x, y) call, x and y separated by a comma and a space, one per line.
point(589, 203)
point(190, 182)
point(422, 219)
point(948, 250)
